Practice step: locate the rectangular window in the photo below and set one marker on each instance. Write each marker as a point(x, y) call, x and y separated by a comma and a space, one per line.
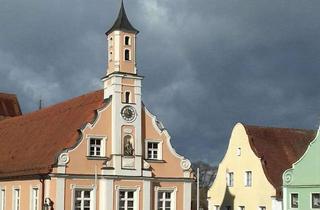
point(230, 179)
point(82, 199)
point(294, 200)
point(2, 199)
point(153, 150)
point(95, 147)
point(16, 199)
point(126, 200)
point(315, 199)
point(248, 178)
point(164, 200)
point(34, 198)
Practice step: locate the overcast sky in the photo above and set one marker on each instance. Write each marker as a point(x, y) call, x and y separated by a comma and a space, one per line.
point(208, 64)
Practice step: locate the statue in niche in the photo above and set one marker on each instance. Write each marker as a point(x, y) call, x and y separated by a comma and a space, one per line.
point(128, 147)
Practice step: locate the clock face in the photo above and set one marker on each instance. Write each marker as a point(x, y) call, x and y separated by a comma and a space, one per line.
point(128, 113)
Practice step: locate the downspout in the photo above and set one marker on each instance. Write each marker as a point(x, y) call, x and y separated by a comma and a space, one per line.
point(42, 180)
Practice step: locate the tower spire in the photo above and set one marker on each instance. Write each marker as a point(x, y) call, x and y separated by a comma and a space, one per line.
point(122, 23)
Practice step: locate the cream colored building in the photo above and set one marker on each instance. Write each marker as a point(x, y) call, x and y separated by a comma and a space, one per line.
point(100, 151)
point(249, 176)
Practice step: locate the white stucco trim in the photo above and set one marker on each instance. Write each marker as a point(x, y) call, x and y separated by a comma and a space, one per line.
point(103, 144)
point(13, 196)
point(146, 195)
point(160, 151)
point(3, 197)
point(93, 197)
point(136, 190)
point(60, 191)
point(187, 195)
point(185, 163)
point(173, 191)
point(31, 188)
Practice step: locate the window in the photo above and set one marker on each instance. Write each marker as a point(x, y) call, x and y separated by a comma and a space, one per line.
point(34, 198)
point(230, 179)
point(16, 199)
point(127, 97)
point(216, 207)
point(238, 151)
point(241, 208)
point(262, 208)
point(126, 200)
point(315, 199)
point(248, 178)
point(95, 147)
point(127, 55)
point(294, 200)
point(2, 199)
point(82, 199)
point(153, 150)
point(164, 200)
point(127, 40)
point(110, 56)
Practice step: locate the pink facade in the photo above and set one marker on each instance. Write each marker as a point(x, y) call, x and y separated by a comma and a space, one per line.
point(122, 159)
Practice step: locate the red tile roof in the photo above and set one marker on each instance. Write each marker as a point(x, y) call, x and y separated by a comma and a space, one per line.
point(29, 144)
point(9, 106)
point(278, 149)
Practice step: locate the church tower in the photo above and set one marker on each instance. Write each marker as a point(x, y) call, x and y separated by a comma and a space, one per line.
point(122, 85)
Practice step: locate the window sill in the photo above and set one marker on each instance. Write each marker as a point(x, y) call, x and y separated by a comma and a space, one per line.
point(96, 158)
point(155, 161)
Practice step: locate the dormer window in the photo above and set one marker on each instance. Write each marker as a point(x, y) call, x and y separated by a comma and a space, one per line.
point(127, 40)
point(127, 55)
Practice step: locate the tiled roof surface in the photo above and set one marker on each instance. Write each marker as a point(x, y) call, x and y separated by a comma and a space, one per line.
point(278, 149)
point(9, 106)
point(29, 144)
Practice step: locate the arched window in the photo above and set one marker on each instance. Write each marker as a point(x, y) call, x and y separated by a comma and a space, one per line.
point(127, 40)
point(127, 97)
point(127, 55)
point(128, 149)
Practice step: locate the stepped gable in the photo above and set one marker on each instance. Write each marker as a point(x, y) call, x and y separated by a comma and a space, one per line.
point(30, 144)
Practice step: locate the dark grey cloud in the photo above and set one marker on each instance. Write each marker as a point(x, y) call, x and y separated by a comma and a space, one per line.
point(207, 64)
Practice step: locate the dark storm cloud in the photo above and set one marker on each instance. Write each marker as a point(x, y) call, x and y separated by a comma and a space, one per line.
point(208, 64)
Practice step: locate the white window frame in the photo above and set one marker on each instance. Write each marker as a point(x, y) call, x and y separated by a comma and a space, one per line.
point(136, 192)
point(248, 179)
point(311, 199)
point(160, 144)
point(172, 190)
point(124, 40)
point(2, 198)
point(290, 204)
point(32, 198)
point(92, 195)
point(230, 182)
point(16, 200)
point(102, 146)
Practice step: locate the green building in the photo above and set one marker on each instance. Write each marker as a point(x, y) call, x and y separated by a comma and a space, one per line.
point(301, 183)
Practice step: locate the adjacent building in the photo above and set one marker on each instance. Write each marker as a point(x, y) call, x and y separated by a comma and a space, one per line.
point(250, 174)
point(301, 183)
point(9, 106)
point(100, 151)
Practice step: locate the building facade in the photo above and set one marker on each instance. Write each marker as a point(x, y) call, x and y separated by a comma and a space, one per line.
point(250, 174)
point(100, 151)
point(301, 183)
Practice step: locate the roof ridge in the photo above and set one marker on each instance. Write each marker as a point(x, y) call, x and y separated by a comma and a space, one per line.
point(273, 127)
